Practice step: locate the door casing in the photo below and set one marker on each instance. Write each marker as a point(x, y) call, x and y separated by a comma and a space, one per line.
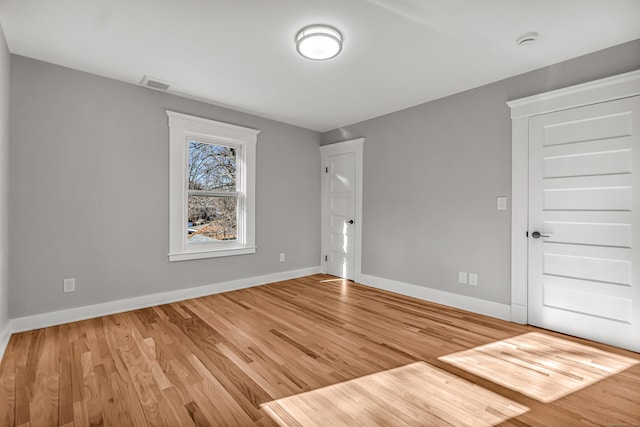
point(607, 89)
point(351, 146)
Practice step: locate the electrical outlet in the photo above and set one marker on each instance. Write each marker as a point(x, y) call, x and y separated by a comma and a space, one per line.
point(473, 279)
point(462, 277)
point(282, 257)
point(69, 285)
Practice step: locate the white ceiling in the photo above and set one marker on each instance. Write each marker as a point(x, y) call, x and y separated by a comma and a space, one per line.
point(241, 53)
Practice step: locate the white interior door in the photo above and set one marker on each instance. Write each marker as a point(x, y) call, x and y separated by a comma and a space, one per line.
point(584, 200)
point(340, 175)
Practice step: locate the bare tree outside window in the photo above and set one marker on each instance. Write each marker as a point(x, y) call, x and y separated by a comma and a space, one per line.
point(212, 167)
point(213, 194)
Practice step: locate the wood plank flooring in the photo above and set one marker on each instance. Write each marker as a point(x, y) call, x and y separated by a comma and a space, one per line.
point(414, 394)
point(312, 351)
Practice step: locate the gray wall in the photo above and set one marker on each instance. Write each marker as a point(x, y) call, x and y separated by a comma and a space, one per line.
point(89, 192)
point(432, 174)
point(4, 184)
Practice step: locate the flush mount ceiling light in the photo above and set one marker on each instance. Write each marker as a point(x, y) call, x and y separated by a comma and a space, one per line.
point(527, 39)
point(319, 42)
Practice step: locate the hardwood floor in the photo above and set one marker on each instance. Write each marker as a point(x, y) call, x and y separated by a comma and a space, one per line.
point(312, 351)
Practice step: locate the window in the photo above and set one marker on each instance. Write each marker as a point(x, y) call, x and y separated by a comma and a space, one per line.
point(212, 188)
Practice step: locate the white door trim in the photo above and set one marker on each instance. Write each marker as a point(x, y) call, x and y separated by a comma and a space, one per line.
point(607, 89)
point(351, 146)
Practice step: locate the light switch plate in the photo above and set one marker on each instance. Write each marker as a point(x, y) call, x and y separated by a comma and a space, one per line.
point(501, 203)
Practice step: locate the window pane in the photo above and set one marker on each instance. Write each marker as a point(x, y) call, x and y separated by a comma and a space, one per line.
point(212, 219)
point(211, 167)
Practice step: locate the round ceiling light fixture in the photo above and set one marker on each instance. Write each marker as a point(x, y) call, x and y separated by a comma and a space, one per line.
point(527, 39)
point(319, 42)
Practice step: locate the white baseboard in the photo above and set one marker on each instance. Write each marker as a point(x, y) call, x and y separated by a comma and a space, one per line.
point(37, 321)
point(475, 305)
point(5, 334)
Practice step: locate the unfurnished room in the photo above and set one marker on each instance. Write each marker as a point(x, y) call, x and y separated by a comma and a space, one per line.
point(319, 213)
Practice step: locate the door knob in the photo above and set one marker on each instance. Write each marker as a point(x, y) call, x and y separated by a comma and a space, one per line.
point(537, 235)
point(350, 221)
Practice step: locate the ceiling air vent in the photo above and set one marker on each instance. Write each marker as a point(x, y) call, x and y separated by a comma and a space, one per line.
point(153, 83)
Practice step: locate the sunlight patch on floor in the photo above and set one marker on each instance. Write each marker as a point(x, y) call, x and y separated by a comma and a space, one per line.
point(339, 280)
point(344, 285)
point(540, 366)
point(414, 394)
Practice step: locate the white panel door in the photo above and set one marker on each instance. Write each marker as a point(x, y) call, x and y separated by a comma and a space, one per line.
point(341, 205)
point(584, 201)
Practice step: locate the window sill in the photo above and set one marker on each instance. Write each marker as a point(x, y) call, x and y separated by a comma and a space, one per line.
point(212, 253)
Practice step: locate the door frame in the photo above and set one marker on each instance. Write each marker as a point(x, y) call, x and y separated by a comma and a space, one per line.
point(351, 146)
point(608, 89)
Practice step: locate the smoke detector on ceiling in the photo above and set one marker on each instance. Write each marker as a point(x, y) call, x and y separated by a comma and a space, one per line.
point(527, 39)
point(156, 84)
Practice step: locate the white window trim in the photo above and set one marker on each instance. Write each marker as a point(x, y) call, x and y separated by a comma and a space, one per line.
point(182, 128)
point(602, 90)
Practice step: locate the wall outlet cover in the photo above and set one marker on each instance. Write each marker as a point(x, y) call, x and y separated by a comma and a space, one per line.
point(462, 277)
point(69, 285)
point(473, 279)
point(282, 257)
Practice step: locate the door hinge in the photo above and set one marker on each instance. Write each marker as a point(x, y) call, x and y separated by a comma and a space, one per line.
point(326, 258)
point(326, 169)
point(526, 234)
